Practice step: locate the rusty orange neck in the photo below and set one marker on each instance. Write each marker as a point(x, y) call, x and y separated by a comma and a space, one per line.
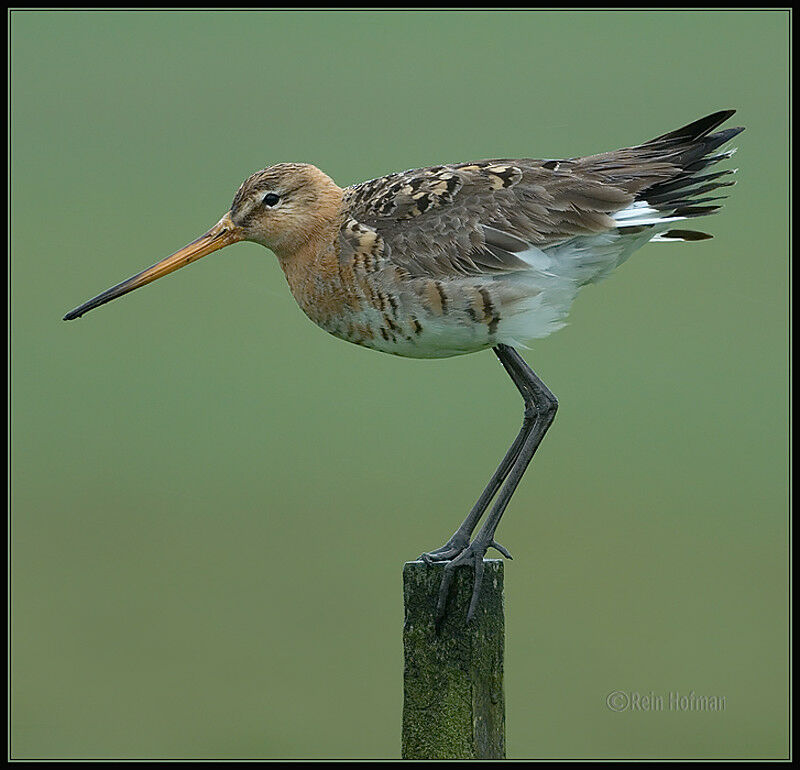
point(313, 270)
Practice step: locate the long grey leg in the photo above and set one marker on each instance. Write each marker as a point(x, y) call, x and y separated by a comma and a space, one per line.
point(540, 410)
point(460, 539)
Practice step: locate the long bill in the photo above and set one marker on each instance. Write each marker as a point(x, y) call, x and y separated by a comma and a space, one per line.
point(222, 234)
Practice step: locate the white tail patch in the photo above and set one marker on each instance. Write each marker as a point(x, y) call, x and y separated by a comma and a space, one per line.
point(639, 214)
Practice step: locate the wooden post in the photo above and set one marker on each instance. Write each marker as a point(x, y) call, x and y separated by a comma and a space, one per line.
point(453, 704)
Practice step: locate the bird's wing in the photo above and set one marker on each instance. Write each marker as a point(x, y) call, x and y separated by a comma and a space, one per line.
point(475, 218)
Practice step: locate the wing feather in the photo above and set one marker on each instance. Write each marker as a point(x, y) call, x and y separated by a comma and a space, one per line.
point(476, 218)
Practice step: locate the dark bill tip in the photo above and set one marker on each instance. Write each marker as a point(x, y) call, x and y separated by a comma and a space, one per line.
point(106, 296)
point(222, 234)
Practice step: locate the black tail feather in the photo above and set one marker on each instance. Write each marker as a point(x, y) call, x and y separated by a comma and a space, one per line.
point(688, 180)
point(686, 189)
point(696, 129)
point(692, 149)
point(684, 235)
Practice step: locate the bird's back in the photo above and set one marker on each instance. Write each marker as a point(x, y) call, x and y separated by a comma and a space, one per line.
point(456, 258)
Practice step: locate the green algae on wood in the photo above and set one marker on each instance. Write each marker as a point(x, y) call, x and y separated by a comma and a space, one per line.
point(453, 704)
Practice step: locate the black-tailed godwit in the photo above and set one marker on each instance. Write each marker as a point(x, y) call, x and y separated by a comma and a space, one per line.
point(462, 257)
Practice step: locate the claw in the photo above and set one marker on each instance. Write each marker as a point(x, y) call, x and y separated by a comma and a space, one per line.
point(447, 578)
point(432, 557)
point(450, 550)
point(456, 554)
point(444, 588)
point(428, 555)
point(476, 587)
point(471, 554)
point(503, 550)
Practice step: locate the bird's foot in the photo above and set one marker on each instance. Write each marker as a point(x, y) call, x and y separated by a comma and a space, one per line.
point(452, 548)
point(456, 555)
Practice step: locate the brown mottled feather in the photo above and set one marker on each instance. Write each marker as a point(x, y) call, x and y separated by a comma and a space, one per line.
point(470, 218)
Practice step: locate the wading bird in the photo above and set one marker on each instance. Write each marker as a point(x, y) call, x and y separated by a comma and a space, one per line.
point(462, 257)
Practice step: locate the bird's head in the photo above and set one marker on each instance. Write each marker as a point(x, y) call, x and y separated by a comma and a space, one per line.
point(282, 207)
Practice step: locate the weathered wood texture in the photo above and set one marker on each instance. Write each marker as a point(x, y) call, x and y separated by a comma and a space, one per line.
point(453, 704)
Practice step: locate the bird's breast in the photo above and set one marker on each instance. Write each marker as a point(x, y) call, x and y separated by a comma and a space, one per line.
point(379, 305)
point(387, 310)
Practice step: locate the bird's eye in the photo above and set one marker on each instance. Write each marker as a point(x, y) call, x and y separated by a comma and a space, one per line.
point(271, 199)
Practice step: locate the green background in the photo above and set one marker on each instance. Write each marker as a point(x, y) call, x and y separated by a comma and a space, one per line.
point(212, 499)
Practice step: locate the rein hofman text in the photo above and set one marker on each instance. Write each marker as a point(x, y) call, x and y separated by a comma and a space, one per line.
point(621, 700)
